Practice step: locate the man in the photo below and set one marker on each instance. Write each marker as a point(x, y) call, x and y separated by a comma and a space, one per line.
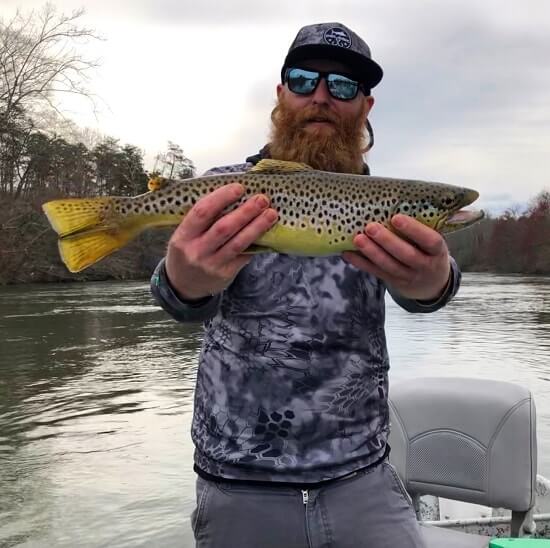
point(291, 411)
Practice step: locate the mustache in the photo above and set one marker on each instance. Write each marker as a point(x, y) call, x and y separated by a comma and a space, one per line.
point(315, 113)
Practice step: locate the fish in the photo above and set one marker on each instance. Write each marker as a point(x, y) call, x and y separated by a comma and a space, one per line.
point(319, 212)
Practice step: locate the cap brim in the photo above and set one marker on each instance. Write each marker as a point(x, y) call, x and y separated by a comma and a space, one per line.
point(368, 71)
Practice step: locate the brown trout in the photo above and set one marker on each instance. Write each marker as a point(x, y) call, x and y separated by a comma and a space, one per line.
point(319, 212)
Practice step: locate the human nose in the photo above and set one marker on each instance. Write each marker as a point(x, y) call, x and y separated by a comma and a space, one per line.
point(321, 95)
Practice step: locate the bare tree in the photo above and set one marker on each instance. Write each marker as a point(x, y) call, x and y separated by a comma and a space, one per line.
point(174, 163)
point(54, 125)
point(38, 60)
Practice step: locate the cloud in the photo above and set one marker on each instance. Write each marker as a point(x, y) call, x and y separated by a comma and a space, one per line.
point(464, 100)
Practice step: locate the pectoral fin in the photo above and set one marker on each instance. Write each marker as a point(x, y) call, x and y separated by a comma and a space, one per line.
point(254, 249)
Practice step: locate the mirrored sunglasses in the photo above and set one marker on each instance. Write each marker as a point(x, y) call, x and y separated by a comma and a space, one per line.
point(305, 82)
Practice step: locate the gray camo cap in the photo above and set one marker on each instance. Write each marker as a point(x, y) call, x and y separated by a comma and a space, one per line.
point(338, 42)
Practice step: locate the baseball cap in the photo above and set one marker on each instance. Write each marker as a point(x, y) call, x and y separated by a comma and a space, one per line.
point(338, 42)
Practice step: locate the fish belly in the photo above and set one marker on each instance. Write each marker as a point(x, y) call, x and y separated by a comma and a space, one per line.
point(306, 242)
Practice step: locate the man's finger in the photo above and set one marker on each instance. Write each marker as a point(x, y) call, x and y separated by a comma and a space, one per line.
point(427, 239)
point(403, 251)
point(205, 212)
point(247, 236)
point(382, 257)
point(362, 263)
point(225, 228)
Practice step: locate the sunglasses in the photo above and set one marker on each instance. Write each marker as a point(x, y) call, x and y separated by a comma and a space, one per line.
point(305, 82)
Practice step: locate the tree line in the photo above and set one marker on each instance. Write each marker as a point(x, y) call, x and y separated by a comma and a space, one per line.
point(514, 242)
point(43, 155)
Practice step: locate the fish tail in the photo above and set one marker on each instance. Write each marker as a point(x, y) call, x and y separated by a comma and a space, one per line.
point(73, 215)
point(87, 231)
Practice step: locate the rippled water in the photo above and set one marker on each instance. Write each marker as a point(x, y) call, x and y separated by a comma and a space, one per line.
point(96, 388)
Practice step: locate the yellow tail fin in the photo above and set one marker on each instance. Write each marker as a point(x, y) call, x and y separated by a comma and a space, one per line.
point(87, 230)
point(87, 248)
point(76, 214)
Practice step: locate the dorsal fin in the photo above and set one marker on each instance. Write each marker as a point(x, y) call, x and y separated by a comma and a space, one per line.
point(278, 166)
point(156, 183)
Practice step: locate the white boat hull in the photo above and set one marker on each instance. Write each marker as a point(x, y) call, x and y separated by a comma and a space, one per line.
point(483, 520)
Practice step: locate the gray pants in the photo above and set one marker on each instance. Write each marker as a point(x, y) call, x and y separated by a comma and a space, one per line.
point(368, 509)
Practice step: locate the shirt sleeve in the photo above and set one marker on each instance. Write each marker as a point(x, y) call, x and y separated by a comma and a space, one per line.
point(415, 306)
point(181, 310)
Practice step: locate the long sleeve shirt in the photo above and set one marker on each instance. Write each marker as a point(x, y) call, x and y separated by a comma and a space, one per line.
point(292, 382)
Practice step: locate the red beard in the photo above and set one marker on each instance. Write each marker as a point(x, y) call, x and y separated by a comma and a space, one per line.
point(336, 146)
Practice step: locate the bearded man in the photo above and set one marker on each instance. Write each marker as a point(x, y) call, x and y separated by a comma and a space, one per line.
point(291, 405)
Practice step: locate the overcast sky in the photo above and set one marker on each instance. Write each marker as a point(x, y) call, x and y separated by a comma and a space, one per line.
point(465, 98)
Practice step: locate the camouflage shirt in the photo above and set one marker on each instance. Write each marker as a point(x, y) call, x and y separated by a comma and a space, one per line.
point(292, 383)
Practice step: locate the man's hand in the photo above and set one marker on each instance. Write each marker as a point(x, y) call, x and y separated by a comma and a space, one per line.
point(205, 252)
point(419, 271)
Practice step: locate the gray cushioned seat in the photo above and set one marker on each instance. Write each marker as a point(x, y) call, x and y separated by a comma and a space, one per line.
point(472, 440)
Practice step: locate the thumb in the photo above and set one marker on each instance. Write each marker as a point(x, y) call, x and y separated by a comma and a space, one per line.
point(233, 267)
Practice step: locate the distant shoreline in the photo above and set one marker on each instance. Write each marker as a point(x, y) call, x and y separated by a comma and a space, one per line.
point(29, 251)
point(145, 278)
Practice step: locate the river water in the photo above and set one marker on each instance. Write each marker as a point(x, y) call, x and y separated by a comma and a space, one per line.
point(96, 396)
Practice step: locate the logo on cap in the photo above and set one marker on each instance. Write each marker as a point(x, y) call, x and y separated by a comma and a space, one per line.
point(337, 36)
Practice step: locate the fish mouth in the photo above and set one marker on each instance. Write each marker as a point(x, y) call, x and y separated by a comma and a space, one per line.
point(460, 219)
point(470, 196)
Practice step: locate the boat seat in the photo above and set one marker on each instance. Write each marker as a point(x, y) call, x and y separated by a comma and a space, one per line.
point(471, 440)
